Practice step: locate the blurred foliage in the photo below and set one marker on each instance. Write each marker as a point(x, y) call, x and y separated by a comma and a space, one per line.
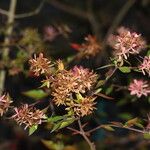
point(70, 21)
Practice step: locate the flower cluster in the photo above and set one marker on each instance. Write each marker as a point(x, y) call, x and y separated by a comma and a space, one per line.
point(82, 108)
point(50, 33)
point(4, 104)
point(28, 116)
point(126, 43)
point(145, 66)
point(40, 65)
point(139, 88)
point(90, 47)
point(76, 80)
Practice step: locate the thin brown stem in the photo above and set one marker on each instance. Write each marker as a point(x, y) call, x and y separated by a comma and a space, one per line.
point(4, 12)
point(83, 133)
point(32, 13)
point(123, 127)
point(121, 14)
point(69, 9)
point(92, 19)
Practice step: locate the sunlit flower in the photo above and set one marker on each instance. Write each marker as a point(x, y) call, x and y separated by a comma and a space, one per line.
point(145, 66)
point(84, 77)
point(4, 103)
point(28, 116)
point(139, 88)
point(126, 42)
point(62, 86)
point(84, 107)
point(60, 65)
point(40, 65)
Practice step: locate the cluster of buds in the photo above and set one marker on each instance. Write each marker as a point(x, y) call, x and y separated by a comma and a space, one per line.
point(90, 47)
point(4, 104)
point(40, 65)
point(139, 88)
point(28, 116)
point(145, 66)
point(126, 43)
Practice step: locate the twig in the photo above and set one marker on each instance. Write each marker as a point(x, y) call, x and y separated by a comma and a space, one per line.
point(74, 130)
point(107, 78)
point(32, 13)
point(121, 14)
point(68, 9)
point(123, 127)
point(129, 128)
point(4, 12)
point(92, 20)
point(11, 17)
point(84, 134)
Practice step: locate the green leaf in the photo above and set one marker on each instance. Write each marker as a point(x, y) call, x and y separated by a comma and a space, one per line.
point(66, 123)
point(131, 122)
point(147, 136)
point(139, 125)
point(100, 83)
point(109, 90)
point(35, 94)
point(125, 69)
point(125, 116)
point(62, 124)
point(97, 90)
point(56, 127)
point(148, 53)
point(55, 118)
point(108, 127)
point(33, 129)
point(51, 145)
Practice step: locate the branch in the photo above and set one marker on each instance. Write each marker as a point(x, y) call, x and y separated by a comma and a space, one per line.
point(66, 8)
point(4, 12)
point(92, 19)
point(121, 14)
point(84, 134)
point(5, 52)
point(117, 126)
point(32, 13)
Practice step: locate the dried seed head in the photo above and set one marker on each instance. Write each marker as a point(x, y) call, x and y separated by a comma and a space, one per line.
point(62, 85)
point(83, 108)
point(28, 116)
point(90, 47)
point(126, 43)
point(40, 65)
point(75, 80)
point(4, 103)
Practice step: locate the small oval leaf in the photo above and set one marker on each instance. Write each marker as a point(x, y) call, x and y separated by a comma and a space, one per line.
point(35, 94)
point(125, 69)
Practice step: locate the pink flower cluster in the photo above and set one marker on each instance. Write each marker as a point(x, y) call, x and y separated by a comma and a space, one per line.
point(126, 43)
point(145, 66)
point(139, 88)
